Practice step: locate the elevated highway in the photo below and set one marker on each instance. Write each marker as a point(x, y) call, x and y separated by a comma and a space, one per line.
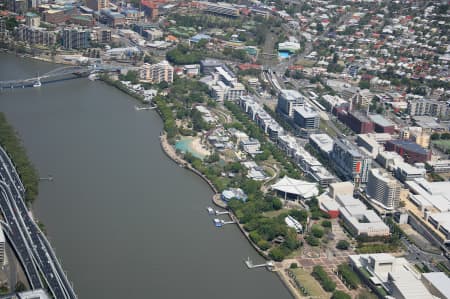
point(33, 248)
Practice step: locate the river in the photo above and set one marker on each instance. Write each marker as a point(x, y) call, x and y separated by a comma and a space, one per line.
point(125, 220)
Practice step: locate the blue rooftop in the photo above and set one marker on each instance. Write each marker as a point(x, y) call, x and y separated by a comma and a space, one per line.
point(410, 146)
point(199, 37)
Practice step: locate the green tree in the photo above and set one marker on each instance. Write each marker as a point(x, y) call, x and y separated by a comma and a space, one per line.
point(319, 27)
point(342, 245)
point(20, 287)
point(364, 84)
point(326, 223)
point(317, 231)
point(277, 254)
point(435, 136)
point(351, 278)
point(312, 241)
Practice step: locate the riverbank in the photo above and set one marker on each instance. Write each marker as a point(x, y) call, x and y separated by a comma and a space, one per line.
point(14, 148)
point(170, 152)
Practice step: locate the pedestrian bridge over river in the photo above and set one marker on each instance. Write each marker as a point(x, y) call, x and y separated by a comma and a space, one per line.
point(59, 73)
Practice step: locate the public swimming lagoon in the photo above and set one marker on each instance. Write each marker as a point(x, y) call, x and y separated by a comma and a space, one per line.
point(187, 145)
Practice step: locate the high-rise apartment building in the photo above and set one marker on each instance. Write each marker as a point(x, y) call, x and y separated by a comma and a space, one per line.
point(97, 5)
point(75, 38)
point(288, 100)
point(306, 118)
point(383, 189)
point(157, 73)
point(36, 35)
point(350, 162)
point(32, 19)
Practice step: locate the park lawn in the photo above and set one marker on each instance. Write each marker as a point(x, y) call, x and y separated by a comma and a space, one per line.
point(311, 285)
point(295, 253)
point(443, 145)
point(272, 214)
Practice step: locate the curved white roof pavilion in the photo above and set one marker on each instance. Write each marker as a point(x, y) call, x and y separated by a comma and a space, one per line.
point(292, 187)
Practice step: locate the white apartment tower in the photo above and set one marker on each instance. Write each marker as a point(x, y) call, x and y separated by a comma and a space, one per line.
point(383, 188)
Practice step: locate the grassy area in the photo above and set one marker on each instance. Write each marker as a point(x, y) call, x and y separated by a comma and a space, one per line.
point(296, 253)
point(443, 145)
point(324, 126)
point(305, 62)
point(310, 284)
point(273, 214)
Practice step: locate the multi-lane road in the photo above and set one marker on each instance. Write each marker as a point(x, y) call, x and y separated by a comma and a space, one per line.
point(32, 247)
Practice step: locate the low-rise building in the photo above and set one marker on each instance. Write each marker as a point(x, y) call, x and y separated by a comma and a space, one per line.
point(59, 15)
point(406, 172)
point(251, 146)
point(233, 193)
point(341, 188)
point(220, 8)
point(328, 205)
point(396, 276)
point(358, 219)
point(409, 150)
point(440, 166)
point(438, 283)
point(295, 189)
point(381, 124)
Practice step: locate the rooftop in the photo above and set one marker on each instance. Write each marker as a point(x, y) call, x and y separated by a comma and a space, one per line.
point(297, 187)
point(306, 112)
point(410, 146)
point(440, 281)
point(324, 141)
point(380, 120)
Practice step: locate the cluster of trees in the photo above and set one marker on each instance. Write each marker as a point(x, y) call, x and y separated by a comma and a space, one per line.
point(11, 23)
point(13, 146)
point(238, 54)
point(205, 21)
point(322, 277)
point(182, 54)
point(342, 245)
point(132, 76)
point(443, 136)
point(263, 230)
point(349, 276)
point(316, 212)
point(364, 84)
point(183, 94)
point(167, 116)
